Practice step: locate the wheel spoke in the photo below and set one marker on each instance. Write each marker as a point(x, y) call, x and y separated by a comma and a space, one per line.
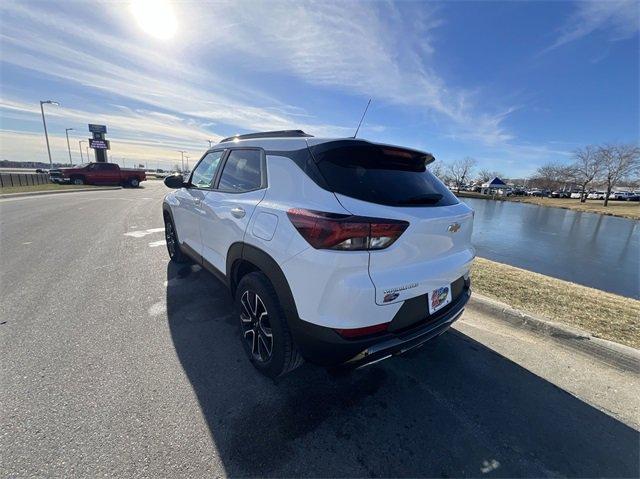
point(245, 305)
point(254, 345)
point(266, 347)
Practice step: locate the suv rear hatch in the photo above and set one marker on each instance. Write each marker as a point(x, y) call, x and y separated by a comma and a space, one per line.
point(394, 183)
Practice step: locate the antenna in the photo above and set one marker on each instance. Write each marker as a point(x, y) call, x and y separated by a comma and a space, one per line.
point(365, 112)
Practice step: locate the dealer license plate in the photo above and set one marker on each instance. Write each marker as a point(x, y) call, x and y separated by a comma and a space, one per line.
point(439, 298)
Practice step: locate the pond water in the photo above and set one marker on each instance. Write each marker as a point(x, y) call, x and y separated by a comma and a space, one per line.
point(590, 249)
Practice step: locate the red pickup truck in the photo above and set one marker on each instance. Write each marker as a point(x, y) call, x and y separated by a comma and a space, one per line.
point(98, 174)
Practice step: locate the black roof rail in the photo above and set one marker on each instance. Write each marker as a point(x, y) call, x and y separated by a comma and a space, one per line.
point(269, 134)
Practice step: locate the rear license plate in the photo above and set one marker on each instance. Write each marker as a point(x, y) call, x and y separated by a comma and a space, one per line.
point(439, 298)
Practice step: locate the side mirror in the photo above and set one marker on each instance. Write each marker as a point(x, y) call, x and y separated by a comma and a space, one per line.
point(174, 181)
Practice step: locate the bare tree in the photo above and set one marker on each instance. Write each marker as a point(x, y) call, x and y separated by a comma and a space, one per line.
point(586, 168)
point(485, 175)
point(438, 169)
point(550, 176)
point(460, 171)
point(618, 162)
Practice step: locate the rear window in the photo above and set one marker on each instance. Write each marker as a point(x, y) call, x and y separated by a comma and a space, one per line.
point(380, 174)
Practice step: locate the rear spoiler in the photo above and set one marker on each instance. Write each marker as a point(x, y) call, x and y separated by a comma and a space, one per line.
point(350, 150)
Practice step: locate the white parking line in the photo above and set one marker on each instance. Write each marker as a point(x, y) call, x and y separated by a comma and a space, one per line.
point(153, 244)
point(142, 233)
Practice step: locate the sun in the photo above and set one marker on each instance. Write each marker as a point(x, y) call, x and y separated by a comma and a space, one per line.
point(155, 17)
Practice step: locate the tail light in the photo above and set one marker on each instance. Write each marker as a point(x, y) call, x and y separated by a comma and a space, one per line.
point(366, 331)
point(345, 232)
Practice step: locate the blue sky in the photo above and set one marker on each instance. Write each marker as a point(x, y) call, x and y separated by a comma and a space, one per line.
point(512, 84)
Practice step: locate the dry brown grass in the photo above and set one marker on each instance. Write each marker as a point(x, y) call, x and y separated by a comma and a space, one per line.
point(605, 315)
point(624, 209)
point(45, 187)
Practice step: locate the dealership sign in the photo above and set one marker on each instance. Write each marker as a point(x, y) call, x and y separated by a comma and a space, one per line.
point(99, 144)
point(97, 128)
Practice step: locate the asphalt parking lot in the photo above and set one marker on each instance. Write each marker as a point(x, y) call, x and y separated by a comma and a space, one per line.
point(117, 363)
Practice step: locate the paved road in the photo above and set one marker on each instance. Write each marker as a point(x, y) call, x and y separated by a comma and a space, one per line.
point(116, 363)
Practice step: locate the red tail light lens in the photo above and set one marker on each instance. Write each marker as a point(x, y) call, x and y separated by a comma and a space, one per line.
point(366, 331)
point(345, 232)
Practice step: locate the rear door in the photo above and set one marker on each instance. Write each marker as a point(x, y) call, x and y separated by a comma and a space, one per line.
point(240, 186)
point(111, 173)
point(393, 183)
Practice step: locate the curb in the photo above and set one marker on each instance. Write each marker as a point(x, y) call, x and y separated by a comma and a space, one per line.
point(618, 355)
point(55, 192)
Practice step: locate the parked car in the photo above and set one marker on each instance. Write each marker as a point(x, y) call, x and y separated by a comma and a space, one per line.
point(624, 196)
point(559, 194)
point(322, 244)
point(42, 170)
point(576, 194)
point(99, 174)
point(596, 195)
point(535, 193)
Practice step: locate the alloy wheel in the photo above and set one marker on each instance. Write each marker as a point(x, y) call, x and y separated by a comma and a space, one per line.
point(170, 237)
point(256, 328)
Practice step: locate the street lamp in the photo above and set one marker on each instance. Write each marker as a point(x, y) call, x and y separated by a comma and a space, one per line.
point(80, 144)
point(182, 157)
point(66, 132)
point(44, 122)
point(187, 157)
point(209, 143)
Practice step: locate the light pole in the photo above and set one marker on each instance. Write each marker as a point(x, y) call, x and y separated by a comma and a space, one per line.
point(209, 143)
point(182, 158)
point(80, 145)
point(187, 157)
point(44, 122)
point(66, 132)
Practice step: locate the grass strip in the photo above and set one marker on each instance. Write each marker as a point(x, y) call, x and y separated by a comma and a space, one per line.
point(605, 315)
point(45, 187)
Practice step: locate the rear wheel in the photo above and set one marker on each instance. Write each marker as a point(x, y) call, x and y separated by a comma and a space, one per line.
point(133, 182)
point(264, 331)
point(173, 245)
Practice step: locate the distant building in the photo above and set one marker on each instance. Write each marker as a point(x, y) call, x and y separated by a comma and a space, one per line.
point(492, 186)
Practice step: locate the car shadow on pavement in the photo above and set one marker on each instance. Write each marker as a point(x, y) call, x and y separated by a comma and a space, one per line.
point(453, 408)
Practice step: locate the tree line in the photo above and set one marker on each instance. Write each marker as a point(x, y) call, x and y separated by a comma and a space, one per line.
point(606, 166)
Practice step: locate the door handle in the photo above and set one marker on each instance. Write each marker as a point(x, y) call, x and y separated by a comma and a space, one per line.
point(238, 212)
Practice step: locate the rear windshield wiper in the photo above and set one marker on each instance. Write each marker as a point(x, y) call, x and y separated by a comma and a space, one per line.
point(428, 199)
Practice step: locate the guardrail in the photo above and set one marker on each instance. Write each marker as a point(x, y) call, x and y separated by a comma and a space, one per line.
point(23, 179)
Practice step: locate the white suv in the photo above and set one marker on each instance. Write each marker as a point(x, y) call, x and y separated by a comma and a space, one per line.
point(342, 252)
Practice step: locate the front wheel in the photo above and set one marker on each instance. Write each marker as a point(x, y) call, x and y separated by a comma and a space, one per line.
point(78, 181)
point(264, 331)
point(173, 245)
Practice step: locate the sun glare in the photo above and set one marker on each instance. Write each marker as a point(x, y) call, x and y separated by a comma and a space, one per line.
point(155, 17)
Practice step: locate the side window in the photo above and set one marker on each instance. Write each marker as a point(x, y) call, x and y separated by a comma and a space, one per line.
point(111, 166)
point(205, 171)
point(242, 171)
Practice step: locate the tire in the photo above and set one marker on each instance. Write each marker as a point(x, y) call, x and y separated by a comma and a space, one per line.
point(78, 180)
point(133, 182)
point(256, 296)
point(173, 245)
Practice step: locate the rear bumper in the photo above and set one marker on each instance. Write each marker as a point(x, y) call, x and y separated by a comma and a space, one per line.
point(325, 347)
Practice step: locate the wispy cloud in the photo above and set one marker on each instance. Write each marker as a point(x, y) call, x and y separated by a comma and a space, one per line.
point(618, 19)
point(369, 49)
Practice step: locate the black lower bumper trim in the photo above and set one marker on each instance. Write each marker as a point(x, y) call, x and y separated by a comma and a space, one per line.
point(325, 347)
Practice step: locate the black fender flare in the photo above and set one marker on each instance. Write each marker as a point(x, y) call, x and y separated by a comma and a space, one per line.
point(265, 263)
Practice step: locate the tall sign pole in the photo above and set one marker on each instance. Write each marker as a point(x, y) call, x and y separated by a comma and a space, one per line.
point(98, 142)
point(80, 147)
